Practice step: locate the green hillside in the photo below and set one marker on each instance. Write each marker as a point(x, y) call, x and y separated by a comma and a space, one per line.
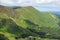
point(21, 23)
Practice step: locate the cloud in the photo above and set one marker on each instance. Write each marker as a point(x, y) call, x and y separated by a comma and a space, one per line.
point(25, 2)
point(44, 1)
point(41, 3)
point(6, 1)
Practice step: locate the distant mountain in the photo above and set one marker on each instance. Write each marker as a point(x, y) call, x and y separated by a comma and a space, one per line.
point(15, 7)
point(57, 13)
point(28, 23)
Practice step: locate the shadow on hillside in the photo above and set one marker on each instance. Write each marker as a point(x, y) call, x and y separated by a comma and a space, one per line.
point(40, 32)
point(2, 22)
point(30, 23)
point(13, 28)
point(16, 7)
point(2, 37)
point(20, 32)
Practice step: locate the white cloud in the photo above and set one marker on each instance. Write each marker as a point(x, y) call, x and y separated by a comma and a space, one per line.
point(6, 1)
point(44, 1)
point(41, 3)
point(26, 2)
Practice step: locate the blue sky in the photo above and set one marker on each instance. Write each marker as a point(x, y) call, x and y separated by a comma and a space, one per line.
point(41, 5)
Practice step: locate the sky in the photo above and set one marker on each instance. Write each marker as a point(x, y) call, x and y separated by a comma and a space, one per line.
point(41, 5)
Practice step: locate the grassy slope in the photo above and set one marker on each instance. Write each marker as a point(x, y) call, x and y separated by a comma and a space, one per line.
point(28, 13)
point(3, 29)
point(48, 21)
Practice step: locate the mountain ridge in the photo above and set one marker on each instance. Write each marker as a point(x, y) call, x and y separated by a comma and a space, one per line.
point(31, 21)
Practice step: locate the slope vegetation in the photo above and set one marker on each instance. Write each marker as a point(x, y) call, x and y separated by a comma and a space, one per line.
point(23, 22)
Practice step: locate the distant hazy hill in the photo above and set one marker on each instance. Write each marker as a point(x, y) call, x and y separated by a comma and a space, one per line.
point(27, 21)
point(57, 13)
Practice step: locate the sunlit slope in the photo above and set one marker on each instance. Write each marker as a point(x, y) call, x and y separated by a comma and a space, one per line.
point(10, 29)
point(30, 13)
point(47, 22)
point(40, 18)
